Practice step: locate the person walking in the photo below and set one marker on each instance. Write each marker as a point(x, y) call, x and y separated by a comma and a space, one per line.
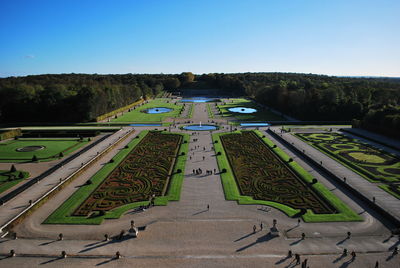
point(261, 226)
point(297, 258)
point(353, 255)
point(254, 229)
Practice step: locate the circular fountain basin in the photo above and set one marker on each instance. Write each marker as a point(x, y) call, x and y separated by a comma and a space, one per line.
point(242, 110)
point(158, 110)
point(200, 127)
point(30, 148)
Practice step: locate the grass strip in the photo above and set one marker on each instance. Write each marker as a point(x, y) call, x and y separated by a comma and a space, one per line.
point(210, 113)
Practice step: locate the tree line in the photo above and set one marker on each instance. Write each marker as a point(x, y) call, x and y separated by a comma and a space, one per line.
point(372, 103)
point(77, 97)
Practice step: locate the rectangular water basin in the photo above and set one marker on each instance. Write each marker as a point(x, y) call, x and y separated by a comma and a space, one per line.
point(260, 124)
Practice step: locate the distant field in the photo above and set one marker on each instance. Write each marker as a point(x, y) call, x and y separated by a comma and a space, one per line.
point(137, 115)
point(51, 149)
point(260, 115)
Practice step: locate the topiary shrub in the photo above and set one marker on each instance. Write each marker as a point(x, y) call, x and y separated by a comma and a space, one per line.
point(223, 170)
point(111, 161)
point(88, 182)
point(34, 158)
point(290, 160)
point(215, 141)
point(179, 170)
point(13, 169)
point(219, 153)
point(126, 147)
point(61, 154)
point(21, 175)
point(183, 153)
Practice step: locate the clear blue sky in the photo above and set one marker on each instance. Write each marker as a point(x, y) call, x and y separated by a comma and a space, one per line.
point(336, 37)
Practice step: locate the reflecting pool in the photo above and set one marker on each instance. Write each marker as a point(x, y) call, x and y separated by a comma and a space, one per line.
point(200, 127)
point(158, 110)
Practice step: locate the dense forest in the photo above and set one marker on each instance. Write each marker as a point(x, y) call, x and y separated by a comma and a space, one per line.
point(371, 102)
point(76, 97)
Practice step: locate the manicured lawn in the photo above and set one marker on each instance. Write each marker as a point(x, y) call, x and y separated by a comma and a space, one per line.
point(371, 163)
point(260, 115)
point(138, 114)
point(209, 111)
point(128, 182)
point(52, 148)
point(256, 173)
point(9, 179)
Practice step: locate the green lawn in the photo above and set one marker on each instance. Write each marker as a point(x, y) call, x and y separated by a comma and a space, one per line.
point(260, 115)
point(138, 116)
point(62, 215)
point(51, 150)
point(9, 179)
point(209, 111)
point(232, 192)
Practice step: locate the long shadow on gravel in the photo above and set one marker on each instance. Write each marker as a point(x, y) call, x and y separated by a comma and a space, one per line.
point(262, 239)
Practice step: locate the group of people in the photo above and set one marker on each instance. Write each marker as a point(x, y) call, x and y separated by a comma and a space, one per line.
point(200, 171)
point(197, 171)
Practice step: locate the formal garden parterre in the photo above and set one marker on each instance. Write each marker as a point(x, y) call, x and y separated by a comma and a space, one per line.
point(153, 168)
point(257, 172)
point(372, 163)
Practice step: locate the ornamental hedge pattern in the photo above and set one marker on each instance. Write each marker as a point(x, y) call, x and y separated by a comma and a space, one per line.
point(143, 173)
point(373, 163)
point(261, 174)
